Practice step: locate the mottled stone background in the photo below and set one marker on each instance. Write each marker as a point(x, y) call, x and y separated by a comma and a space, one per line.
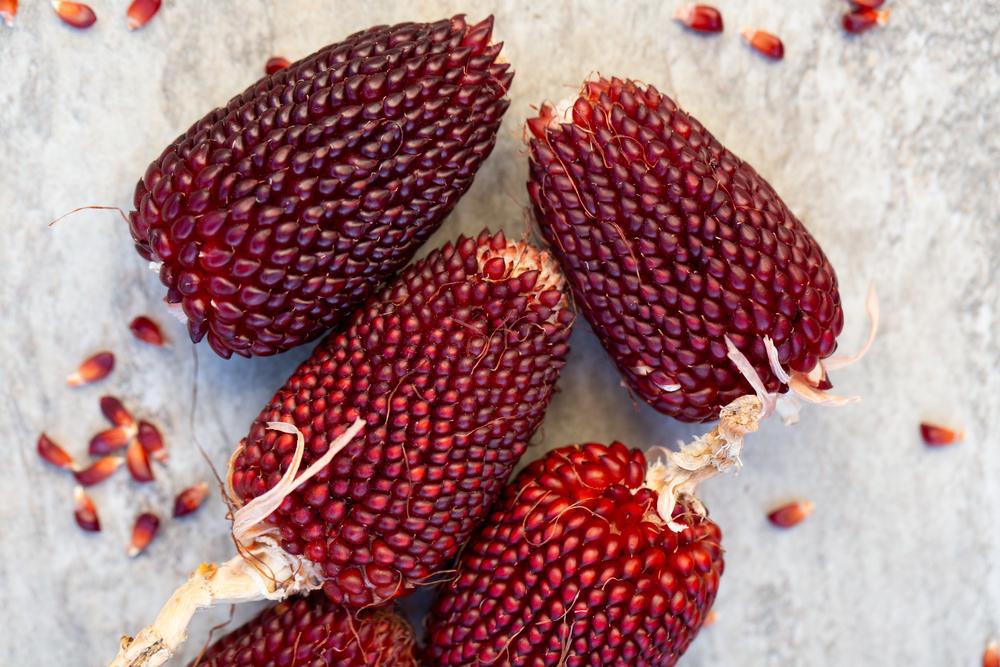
point(886, 145)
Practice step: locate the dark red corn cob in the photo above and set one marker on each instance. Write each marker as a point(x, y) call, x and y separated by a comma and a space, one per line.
point(451, 368)
point(274, 216)
point(575, 567)
point(374, 462)
point(311, 630)
point(671, 243)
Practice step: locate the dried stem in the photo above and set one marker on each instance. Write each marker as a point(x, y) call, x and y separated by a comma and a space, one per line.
point(270, 573)
point(261, 570)
point(680, 472)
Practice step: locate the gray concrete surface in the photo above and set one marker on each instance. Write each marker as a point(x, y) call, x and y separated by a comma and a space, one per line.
point(886, 145)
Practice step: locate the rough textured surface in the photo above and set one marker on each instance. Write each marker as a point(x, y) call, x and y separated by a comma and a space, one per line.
point(672, 244)
point(451, 367)
point(884, 145)
point(273, 216)
point(575, 567)
point(314, 632)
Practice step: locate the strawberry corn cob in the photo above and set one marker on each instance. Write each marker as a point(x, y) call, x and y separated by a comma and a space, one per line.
point(575, 567)
point(671, 244)
point(311, 630)
point(593, 558)
point(373, 464)
point(273, 217)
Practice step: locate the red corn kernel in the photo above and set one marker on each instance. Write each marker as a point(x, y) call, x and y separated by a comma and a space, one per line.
point(143, 532)
point(867, 4)
point(109, 440)
point(190, 499)
point(791, 514)
point(700, 18)
point(115, 412)
point(140, 11)
point(98, 471)
point(53, 453)
point(936, 435)
point(860, 20)
point(94, 368)
point(8, 10)
point(538, 124)
point(824, 382)
point(84, 511)
point(991, 656)
point(138, 462)
point(495, 268)
point(276, 64)
point(765, 43)
point(74, 14)
point(151, 440)
point(147, 331)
